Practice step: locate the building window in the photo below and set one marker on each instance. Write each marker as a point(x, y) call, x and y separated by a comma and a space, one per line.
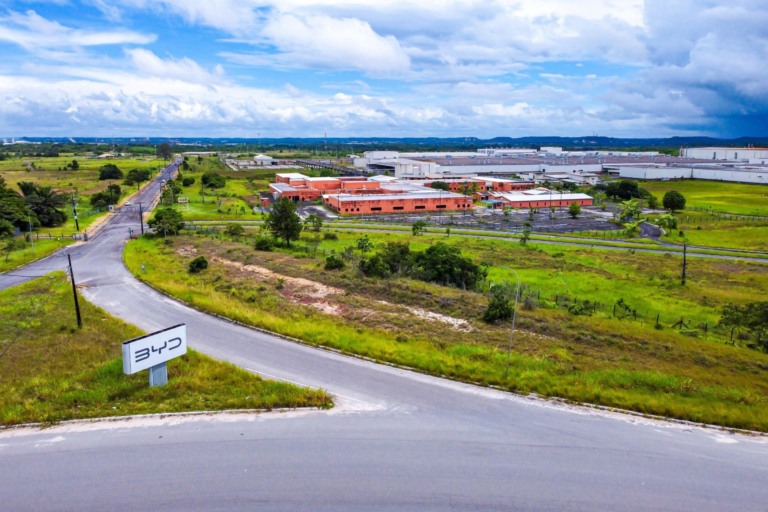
point(419, 207)
point(376, 208)
point(440, 206)
point(397, 207)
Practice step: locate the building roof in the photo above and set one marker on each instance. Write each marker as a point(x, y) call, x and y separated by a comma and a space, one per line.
point(348, 198)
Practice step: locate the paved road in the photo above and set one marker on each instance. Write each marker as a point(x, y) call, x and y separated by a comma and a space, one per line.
point(396, 441)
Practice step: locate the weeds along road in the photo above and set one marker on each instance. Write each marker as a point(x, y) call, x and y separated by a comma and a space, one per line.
point(396, 440)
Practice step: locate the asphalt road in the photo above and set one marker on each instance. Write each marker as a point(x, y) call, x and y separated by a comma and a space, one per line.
point(396, 440)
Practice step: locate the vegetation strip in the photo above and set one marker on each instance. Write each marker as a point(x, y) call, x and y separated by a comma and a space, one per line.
point(53, 372)
point(583, 357)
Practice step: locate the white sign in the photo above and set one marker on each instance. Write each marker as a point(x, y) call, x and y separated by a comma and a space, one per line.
point(153, 349)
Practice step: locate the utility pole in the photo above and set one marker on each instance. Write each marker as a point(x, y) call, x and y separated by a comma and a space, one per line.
point(74, 293)
point(141, 218)
point(74, 213)
point(685, 263)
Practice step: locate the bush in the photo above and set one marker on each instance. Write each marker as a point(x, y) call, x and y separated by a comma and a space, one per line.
point(110, 172)
point(499, 308)
point(334, 262)
point(374, 266)
point(198, 264)
point(213, 180)
point(330, 236)
point(264, 243)
point(188, 181)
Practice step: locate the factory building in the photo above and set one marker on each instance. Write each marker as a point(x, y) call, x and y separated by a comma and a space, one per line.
point(733, 173)
point(363, 196)
point(541, 198)
point(750, 155)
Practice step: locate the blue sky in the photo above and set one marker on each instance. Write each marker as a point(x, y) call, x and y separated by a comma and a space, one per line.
point(445, 68)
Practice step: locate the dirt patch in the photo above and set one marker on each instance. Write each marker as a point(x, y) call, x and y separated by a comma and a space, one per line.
point(187, 251)
point(456, 323)
point(298, 285)
point(319, 296)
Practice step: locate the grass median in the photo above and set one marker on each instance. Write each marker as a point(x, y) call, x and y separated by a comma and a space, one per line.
point(50, 371)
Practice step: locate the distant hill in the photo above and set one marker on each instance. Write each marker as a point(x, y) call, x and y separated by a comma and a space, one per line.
point(358, 144)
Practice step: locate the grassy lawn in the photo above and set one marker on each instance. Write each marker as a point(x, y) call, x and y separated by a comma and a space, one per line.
point(233, 202)
point(50, 371)
point(699, 228)
point(720, 197)
point(31, 252)
point(625, 363)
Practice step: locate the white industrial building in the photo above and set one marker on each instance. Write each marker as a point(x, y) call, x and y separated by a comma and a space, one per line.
point(739, 174)
point(751, 155)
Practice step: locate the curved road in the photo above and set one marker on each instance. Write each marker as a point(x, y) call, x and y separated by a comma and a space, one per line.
point(396, 441)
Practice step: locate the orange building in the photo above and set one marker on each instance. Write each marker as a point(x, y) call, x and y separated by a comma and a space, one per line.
point(362, 204)
point(361, 196)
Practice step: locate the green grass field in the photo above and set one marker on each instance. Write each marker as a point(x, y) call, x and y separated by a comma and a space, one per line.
point(718, 196)
point(598, 359)
point(50, 371)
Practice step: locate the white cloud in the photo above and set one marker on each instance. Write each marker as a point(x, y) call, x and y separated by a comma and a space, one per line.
point(324, 42)
point(37, 34)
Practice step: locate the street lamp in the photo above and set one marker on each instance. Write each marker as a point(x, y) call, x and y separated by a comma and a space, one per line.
point(514, 316)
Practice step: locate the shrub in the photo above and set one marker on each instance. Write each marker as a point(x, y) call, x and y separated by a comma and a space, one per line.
point(374, 266)
point(188, 181)
point(499, 308)
point(334, 262)
point(330, 236)
point(198, 264)
point(264, 243)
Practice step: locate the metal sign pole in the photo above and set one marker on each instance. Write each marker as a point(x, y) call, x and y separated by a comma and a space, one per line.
point(158, 375)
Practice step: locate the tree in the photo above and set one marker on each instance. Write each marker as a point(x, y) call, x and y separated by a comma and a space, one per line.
point(283, 221)
point(6, 228)
point(444, 264)
point(623, 189)
point(364, 244)
point(110, 172)
point(666, 221)
point(167, 221)
point(213, 180)
point(74, 165)
point(314, 221)
point(106, 197)
point(397, 255)
point(188, 181)
point(136, 176)
point(673, 201)
point(526, 235)
point(752, 316)
point(45, 203)
point(418, 227)
point(629, 210)
point(574, 209)
point(14, 209)
point(440, 185)
point(164, 151)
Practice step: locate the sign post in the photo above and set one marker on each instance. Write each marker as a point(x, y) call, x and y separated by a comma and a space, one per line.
point(153, 351)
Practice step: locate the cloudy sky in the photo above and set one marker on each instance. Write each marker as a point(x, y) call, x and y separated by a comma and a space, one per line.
point(482, 68)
